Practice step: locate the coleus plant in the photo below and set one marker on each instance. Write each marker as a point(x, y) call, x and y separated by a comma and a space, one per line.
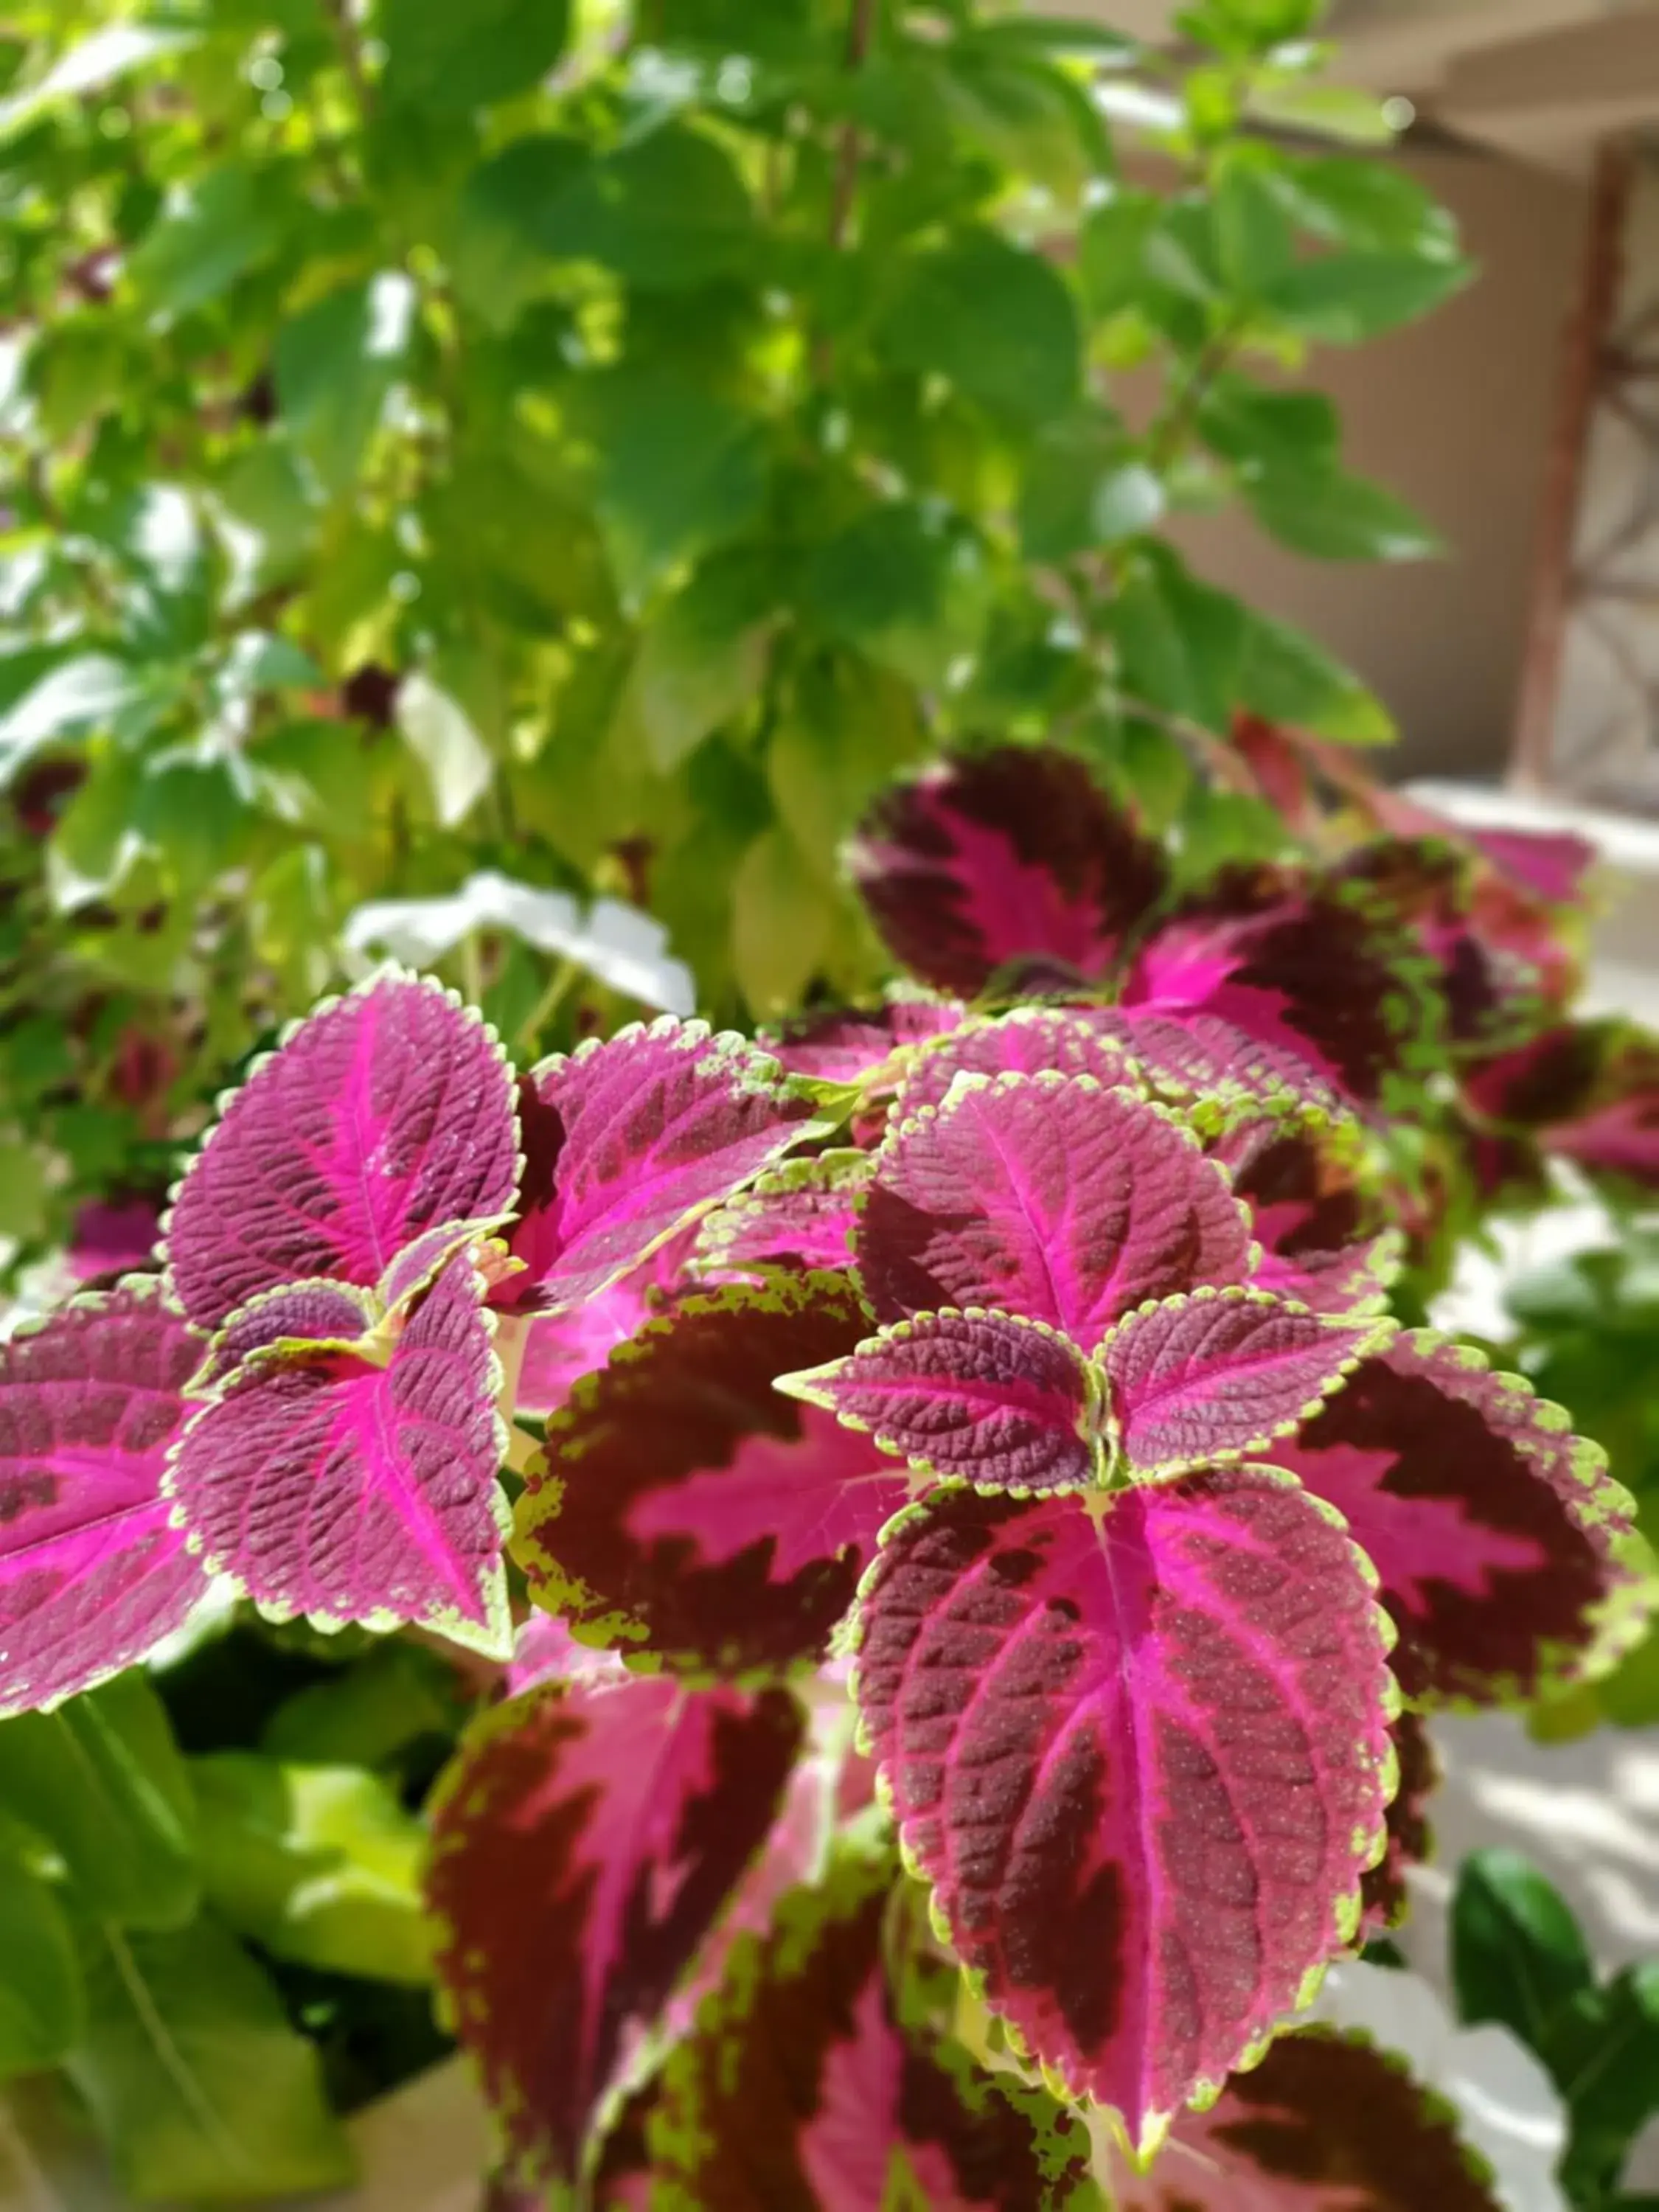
point(1026, 1346)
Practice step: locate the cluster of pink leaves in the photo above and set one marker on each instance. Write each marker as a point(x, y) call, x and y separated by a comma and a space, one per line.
point(1063, 1390)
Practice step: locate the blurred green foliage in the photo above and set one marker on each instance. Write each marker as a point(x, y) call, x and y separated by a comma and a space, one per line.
point(600, 444)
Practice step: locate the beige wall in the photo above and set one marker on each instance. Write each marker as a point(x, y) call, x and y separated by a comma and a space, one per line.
point(1455, 413)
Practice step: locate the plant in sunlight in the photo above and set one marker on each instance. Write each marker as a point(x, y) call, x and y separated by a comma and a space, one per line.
point(1030, 1350)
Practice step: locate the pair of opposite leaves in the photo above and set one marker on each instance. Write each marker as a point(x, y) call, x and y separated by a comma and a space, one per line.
point(307, 1399)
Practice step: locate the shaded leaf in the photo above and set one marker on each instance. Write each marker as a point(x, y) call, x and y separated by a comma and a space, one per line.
point(1322, 2125)
point(584, 1842)
point(994, 859)
point(198, 2084)
point(996, 319)
point(803, 2086)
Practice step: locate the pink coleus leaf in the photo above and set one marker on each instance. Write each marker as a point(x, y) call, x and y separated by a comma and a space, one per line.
point(1314, 1204)
point(360, 1486)
point(114, 1239)
point(1303, 967)
point(1322, 2124)
point(806, 2084)
point(1214, 1375)
point(560, 1348)
point(1507, 1553)
point(996, 859)
point(988, 1397)
point(628, 1140)
point(384, 1115)
point(801, 1215)
point(1383, 1892)
point(92, 1574)
point(864, 1049)
point(1140, 1750)
point(318, 1312)
point(690, 1513)
point(1027, 1042)
point(1047, 1196)
point(585, 1842)
point(1184, 1054)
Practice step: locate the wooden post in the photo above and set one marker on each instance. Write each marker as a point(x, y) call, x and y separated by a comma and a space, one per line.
point(1600, 279)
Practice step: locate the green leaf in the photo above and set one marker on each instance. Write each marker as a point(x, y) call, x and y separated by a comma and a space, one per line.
point(1374, 205)
point(102, 58)
point(1111, 249)
point(668, 211)
point(1343, 299)
point(318, 1864)
point(1179, 644)
point(451, 60)
point(1334, 515)
point(1267, 431)
point(439, 733)
point(23, 1188)
point(703, 655)
point(1603, 2051)
point(780, 923)
point(41, 2006)
point(906, 586)
point(1285, 676)
point(497, 249)
point(1326, 111)
point(101, 1782)
point(1085, 486)
point(680, 471)
point(366, 1715)
point(212, 229)
point(194, 2077)
point(1517, 1956)
point(996, 319)
point(334, 365)
point(194, 816)
point(1253, 233)
point(87, 691)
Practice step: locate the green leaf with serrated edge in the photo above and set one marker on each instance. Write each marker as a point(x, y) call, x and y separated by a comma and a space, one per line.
point(1517, 1955)
point(809, 2081)
point(101, 1782)
point(196, 2081)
